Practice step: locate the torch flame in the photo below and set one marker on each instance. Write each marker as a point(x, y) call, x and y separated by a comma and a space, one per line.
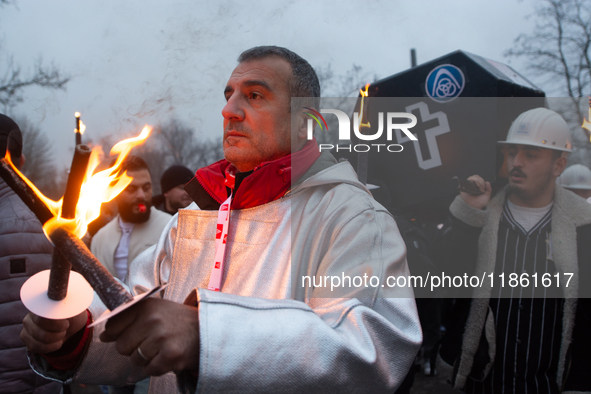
point(82, 125)
point(96, 189)
point(364, 94)
point(586, 123)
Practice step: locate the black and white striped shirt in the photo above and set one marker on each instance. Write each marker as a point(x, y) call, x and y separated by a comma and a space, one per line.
point(528, 321)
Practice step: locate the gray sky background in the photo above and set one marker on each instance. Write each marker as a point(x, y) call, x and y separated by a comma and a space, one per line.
point(135, 62)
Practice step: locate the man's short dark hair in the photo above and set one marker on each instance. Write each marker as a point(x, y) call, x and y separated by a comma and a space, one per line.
point(304, 81)
point(133, 163)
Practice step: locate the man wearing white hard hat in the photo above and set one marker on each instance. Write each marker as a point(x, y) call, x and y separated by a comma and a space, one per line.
point(518, 336)
point(577, 179)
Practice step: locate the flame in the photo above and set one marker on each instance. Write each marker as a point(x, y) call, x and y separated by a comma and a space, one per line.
point(586, 123)
point(82, 125)
point(96, 189)
point(364, 94)
point(54, 206)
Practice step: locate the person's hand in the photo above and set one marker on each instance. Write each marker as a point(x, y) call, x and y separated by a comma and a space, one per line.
point(480, 201)
point(43, 336)
point(157, 334)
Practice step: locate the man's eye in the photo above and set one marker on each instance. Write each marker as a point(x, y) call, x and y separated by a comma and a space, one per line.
point(255, 96)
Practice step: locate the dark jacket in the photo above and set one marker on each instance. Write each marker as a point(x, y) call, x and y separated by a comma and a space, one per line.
point(469, 244)
point(24, 251)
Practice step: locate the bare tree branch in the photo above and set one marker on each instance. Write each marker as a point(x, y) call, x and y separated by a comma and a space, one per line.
point(181, 146)
point(171, 143)
point(39, 164)
point(340, 87)
point(12, 84)
point(559, 50)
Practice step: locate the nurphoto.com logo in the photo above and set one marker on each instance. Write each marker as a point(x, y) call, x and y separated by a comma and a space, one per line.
point(393, 120)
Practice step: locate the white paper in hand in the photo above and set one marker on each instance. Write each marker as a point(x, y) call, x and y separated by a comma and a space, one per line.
point(109, 314)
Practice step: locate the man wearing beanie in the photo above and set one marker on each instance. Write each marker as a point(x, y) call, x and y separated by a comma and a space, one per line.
point(172, 184)
point(24, 251)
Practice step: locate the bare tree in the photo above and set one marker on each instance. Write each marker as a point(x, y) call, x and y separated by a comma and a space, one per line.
point(181, 145)
point(558, 50)
point(171, 143)
point(325, 77)
point(155, 156)
point(336, 89)
point(178, 141)
point(13, 83)
point(39, 166)
point(342, 85)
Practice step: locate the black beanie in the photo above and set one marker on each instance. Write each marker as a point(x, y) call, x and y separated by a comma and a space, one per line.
point(9, 128)
point(174, 176)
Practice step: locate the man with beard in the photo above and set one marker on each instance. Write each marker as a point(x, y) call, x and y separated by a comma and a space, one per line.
point(236, 317)
point(137, 226)
point(522, 337)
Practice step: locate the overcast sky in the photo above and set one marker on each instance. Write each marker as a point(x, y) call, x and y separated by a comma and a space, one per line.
point(137, 62)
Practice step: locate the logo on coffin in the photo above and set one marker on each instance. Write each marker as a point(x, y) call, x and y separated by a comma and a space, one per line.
point(444, 83)
point(218, 233)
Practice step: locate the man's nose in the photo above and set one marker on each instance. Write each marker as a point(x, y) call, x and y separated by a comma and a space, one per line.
point(233, 110)
point(518, 160)
point(140, 194)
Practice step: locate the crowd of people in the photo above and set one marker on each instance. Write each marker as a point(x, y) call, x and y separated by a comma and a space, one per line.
point(231, 239)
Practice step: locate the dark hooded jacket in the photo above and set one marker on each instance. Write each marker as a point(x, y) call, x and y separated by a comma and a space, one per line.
point(24, 251)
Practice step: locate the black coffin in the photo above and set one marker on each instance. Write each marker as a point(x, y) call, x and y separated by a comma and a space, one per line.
point(464, 104)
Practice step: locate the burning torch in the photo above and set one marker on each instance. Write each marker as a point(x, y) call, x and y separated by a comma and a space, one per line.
point(362, 158)
point(60, 267)
point(60, 293)
point(79, 130)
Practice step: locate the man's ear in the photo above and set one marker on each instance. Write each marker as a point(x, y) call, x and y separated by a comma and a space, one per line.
point(302, 126)
point(559, 166)
point(299, 133)
point(22, 161)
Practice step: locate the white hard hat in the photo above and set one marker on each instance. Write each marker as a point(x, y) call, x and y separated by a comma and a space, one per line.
point(540, 127)
point(576, 177)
